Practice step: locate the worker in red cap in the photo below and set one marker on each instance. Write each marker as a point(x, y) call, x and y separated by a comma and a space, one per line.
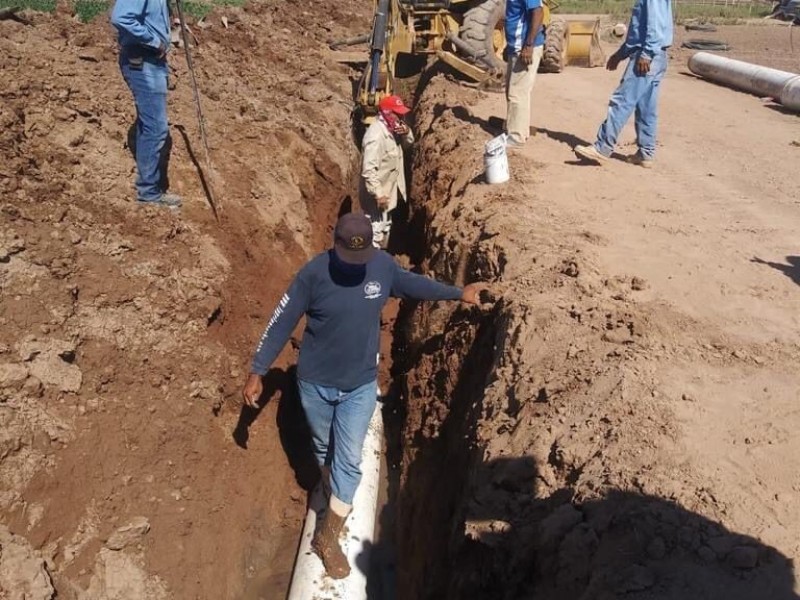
point(383, 167)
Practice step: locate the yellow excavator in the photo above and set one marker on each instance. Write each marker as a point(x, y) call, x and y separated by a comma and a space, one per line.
point(465, 34)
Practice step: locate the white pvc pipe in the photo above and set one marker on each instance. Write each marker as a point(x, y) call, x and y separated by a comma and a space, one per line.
point(309, 581)
point(748, 77)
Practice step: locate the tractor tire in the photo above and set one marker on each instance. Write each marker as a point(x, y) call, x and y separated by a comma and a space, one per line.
point(554, 55)
point(479, 27)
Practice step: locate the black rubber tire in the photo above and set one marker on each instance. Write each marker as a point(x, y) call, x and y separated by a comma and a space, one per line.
point(478, 28)
point(554, 54)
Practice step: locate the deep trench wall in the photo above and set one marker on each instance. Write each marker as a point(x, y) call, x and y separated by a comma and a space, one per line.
point(535, 453)
point(127, 331)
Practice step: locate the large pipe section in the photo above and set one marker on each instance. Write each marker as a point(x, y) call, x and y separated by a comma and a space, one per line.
point(783, 86)
point(309, 581)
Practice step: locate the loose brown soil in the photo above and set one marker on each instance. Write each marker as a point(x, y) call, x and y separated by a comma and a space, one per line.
point(620, 425)
point(126, 332)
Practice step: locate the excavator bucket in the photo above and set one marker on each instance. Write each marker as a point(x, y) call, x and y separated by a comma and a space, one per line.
point(583, 44)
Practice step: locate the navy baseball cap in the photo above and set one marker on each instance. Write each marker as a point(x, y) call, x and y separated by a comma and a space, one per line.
point(352, 239)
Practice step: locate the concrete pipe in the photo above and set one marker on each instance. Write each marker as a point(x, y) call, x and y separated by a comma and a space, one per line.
point(790, 95)
point(744, 76)
point(309, 581)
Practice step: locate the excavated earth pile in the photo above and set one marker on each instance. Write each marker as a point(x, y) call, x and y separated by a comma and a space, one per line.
point(127, 467)
point(541, 453)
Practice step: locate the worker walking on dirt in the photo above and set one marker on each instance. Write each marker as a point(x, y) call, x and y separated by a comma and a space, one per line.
point(341, 292)
point(144, 39)
point(524, 46)
point(383, 175)
point(645, 47)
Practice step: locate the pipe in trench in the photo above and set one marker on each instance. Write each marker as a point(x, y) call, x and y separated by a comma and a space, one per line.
point(783, 86)
point(309, 581)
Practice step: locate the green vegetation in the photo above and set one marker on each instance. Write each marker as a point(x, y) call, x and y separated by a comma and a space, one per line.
point(89, 9)
point(713, 13)
point(40, 5)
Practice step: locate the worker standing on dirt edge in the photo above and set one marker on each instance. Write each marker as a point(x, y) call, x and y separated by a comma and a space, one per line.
point(649, 36)
point(341, 292)
point(144, 39)
point(383, 174)
point(524, 46)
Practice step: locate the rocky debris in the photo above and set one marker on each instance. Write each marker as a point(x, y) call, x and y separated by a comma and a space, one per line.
point(121, 576)
point(12, 374)
point(128, 534)
point(23, 572)
point(50, 361)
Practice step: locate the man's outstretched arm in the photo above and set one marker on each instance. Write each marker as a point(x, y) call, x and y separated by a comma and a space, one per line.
point(291, 307)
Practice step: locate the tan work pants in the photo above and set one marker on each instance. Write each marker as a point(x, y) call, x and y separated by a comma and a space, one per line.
point(519, 85)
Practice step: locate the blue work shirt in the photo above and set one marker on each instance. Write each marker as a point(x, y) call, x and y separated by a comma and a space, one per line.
point(142, 23)
point(650, 29)
point(518, 23)
point(342, 304)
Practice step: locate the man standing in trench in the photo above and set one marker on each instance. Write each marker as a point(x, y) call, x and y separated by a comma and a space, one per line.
point(383, 175)
point(645, 47)
point(341, 292)
point(144, 39)
point(524, 45)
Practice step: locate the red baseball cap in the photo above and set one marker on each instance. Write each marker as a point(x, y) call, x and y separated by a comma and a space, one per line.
point(394, 104)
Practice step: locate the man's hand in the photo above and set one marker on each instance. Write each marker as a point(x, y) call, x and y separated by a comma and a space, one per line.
point(526, 55)
point(401, 128)
point(471, 294)
point(613, 62)
point(383, 202)
point(162, 50)
point(252, 390)
point(642, 65)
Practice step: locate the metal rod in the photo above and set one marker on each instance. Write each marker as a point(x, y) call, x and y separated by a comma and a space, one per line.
point(200, 119)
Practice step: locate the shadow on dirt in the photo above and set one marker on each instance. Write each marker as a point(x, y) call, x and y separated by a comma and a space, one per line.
point(563, 137)
point(624, 544)
point(791, 270)
point(294, 433)
point(502, 542)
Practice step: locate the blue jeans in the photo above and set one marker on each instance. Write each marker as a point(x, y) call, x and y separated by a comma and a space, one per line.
point(635, 93)
point(149, 88)
point(339, 420)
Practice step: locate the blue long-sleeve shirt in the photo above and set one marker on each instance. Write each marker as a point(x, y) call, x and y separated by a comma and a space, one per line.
point(142, 23)
point(343, 317)
point(650, 29)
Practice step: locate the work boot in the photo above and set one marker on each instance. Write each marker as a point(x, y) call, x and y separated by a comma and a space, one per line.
point(326, 541)
point(165, 200)
point(591, 153)
point(641, 161)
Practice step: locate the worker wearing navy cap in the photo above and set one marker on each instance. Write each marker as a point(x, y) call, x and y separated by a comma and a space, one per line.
point(341, 293)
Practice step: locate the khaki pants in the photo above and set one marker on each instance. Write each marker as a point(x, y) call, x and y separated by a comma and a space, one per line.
point(519, 85)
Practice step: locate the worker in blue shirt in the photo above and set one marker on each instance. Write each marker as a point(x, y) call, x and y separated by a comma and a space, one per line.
point(523, 53)
point(645, 47)
point(144, 40)
point(341, 293)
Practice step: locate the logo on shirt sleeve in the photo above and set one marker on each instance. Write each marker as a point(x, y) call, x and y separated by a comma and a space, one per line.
point(372, 290)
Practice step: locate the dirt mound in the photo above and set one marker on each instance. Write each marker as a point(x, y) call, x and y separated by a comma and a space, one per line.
point(541, 455)
point(126, 331)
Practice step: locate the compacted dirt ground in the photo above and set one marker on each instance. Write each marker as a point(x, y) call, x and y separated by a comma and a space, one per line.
point(623, 424)
point(620, 425)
